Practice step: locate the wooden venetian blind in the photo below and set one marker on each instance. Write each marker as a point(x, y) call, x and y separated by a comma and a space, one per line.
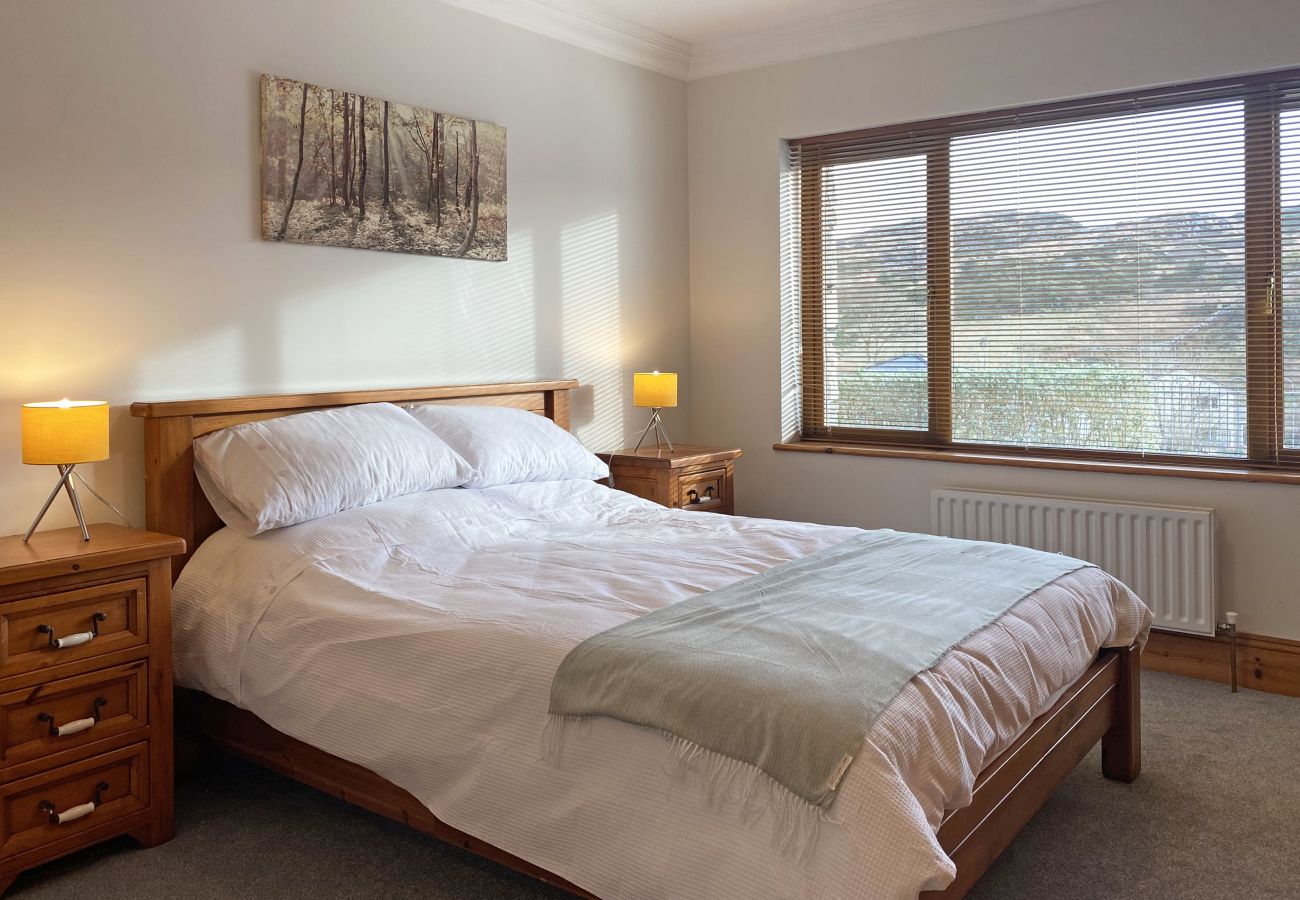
point(1098, 277)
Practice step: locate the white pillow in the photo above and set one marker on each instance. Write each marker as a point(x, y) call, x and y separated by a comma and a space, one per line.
point(507, 445)
point(264, 475)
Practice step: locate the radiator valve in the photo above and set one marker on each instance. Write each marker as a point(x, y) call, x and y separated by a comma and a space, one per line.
point(1229, 628)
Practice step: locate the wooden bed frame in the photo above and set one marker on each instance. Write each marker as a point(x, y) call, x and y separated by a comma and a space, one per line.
point(1103, 705)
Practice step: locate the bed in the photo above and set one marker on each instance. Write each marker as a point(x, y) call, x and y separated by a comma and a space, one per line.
point(281, 669)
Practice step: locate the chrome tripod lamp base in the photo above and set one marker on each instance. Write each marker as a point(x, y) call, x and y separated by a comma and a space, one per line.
point(63, 484)
point(661, 433)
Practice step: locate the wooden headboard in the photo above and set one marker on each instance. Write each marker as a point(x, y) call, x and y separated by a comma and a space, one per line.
point(174, 502)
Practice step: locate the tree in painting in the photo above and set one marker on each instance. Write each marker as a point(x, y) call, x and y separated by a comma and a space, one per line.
point(352, 171)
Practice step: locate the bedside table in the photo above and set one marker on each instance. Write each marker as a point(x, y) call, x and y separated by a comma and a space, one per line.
point(85, 692)
point(687, 477)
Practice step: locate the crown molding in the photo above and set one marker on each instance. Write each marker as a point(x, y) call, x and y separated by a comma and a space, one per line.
point(880, 23)
point(603, 34)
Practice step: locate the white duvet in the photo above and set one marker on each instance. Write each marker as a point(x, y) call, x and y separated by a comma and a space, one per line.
point(417, 637)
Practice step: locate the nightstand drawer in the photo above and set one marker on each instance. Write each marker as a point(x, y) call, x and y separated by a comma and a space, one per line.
point(52, 629)
point(703, 490)
point(71, 799)
point(71, 712)
point(645, 488)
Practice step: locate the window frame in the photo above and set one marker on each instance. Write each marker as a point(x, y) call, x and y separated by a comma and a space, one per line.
point(1265, 96)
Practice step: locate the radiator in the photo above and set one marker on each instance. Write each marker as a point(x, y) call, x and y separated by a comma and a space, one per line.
point(1165, 554)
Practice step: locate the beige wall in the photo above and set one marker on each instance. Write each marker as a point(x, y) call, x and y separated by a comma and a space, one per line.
point(736, 124)
point(130, 260)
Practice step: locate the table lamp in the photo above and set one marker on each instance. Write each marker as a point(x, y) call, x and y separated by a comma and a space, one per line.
point(657, 390)
point(64, 433)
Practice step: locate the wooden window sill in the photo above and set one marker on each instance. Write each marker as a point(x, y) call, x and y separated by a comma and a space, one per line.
point(1214, 472)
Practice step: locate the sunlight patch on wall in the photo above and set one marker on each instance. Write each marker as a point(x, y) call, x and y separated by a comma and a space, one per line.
point(591, 332)
point(503, 296)
point(421, 321)
point(216, 356)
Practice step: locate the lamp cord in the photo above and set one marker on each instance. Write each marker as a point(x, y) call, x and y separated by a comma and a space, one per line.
point(100, 497)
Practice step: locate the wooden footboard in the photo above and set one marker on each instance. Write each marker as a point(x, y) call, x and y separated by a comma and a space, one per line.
point(1103, 706)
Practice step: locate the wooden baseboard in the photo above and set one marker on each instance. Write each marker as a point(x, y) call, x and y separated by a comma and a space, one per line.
point(1263, 663)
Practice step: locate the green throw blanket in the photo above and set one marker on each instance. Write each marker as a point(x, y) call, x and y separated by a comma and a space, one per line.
point(788, 669)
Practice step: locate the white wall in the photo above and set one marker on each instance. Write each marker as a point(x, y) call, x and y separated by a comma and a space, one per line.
point(736, 124)
point(130, 261)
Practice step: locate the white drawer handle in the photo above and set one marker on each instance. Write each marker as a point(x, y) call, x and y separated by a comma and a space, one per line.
point(74, 640)
point(76, 726)
point(693, 497)
point(73, 813)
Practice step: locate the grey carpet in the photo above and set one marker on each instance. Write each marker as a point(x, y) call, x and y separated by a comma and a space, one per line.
point(1214, 815)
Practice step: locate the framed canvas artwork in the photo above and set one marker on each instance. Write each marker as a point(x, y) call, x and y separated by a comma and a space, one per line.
point(348, 170)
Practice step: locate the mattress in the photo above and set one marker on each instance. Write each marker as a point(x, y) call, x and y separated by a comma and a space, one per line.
point(418, 637)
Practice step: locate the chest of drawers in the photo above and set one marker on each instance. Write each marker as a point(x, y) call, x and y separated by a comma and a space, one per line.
point(85, 692)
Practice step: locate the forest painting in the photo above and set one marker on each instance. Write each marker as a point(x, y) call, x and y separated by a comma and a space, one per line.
point(351, 171)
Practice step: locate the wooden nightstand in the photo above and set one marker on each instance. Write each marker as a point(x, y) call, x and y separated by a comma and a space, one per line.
point(85, 692)
point(687, 477)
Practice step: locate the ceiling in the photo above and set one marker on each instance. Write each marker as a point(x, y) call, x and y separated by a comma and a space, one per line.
point(695, 21)
point(692, 39)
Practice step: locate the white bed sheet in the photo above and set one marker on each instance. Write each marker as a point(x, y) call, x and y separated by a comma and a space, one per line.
point(418, 637)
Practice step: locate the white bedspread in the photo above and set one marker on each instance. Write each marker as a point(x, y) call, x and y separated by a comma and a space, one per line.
point(417, 637)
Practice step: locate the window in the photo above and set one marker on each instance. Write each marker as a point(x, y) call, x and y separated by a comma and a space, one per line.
point(1098, 278)
point(1289, 147)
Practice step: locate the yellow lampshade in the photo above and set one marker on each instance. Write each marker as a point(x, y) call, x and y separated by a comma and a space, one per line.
point(658, 389)
point(64, 432)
